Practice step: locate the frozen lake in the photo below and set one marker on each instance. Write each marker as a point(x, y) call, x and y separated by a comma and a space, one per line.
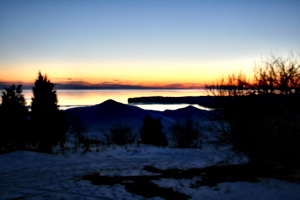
point(77, 98)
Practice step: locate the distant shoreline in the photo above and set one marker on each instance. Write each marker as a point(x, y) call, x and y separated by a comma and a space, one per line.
point(206, 101)
point(26, 88)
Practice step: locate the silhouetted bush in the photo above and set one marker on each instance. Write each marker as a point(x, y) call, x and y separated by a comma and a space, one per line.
point(119, 134)
point(13, 119)
point(151, 132)
point(263, 118)
point(186, 134)
point(77, 134)
point(49, 125)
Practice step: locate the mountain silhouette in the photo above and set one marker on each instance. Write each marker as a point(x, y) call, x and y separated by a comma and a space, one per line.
point(110, 112)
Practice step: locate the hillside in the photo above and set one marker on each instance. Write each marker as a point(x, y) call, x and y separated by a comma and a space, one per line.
point(110, 112)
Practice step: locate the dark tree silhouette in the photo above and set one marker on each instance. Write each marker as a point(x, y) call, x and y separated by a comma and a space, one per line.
point(151, 132)
point(13, 118)
point(262, 119)
point(186, 134)
point(119, 134)
point(78, 130)
point(49, 124)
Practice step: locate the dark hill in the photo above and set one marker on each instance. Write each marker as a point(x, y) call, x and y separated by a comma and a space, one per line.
point(189, 112)
point(110, 112)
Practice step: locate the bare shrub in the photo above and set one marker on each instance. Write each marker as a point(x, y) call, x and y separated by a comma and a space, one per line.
point(119, 134)
point(186, 134)
point(263, 120)
point(78, 131)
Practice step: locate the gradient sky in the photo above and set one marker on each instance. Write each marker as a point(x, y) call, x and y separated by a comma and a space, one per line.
point(156, 43)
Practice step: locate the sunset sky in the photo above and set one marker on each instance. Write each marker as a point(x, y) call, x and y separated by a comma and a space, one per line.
point(141, 43)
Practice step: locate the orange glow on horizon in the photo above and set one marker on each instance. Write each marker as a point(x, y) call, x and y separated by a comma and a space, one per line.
point(151, 74)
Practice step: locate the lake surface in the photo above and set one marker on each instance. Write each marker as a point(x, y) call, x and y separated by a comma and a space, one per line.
point(78, 98)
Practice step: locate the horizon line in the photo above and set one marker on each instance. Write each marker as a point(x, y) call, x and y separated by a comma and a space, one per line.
point(62, 86)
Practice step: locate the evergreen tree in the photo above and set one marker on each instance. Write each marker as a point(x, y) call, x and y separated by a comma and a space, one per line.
point(13, 118)
point(49, 124)
point(151, 132)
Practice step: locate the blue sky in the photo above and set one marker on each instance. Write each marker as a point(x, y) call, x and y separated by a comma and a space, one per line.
point(144, 43)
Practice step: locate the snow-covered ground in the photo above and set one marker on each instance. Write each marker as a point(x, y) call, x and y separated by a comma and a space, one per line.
point(32, 175)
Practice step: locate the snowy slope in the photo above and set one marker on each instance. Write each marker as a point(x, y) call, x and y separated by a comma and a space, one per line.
point(34, 176)
point(30, 175)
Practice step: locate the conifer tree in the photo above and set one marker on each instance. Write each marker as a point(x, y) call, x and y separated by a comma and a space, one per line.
point(151, 132)
point(49, 124)
point(13, 118)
